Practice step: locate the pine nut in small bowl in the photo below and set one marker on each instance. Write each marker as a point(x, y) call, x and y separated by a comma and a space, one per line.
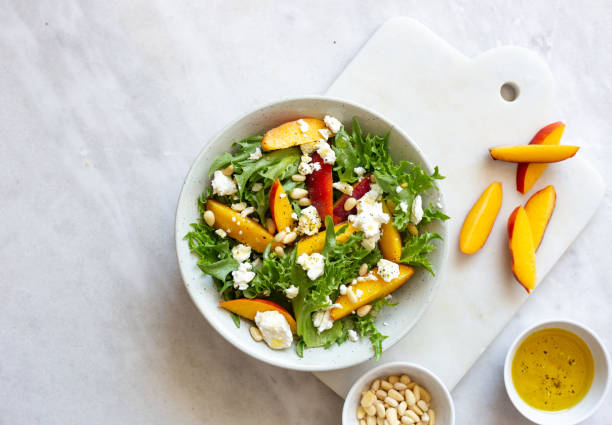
point(398, 392)
point(557, 373)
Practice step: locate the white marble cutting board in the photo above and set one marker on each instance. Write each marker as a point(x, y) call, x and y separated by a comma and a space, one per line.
point(451, 106)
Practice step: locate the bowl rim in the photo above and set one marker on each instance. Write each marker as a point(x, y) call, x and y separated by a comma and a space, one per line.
point(392, 339)
point(375, 371)
point(518, 402)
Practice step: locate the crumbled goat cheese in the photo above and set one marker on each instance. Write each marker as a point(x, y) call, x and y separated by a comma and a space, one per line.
point(342, 289)
point(353, 335)
point(256, 154)
point(248, 210)
point(241, 252)
point(416, 215)
point(223, 185)
point(313, 265)
point(322, 320)
point(294, 216)
point(398, 189)
point(308, 149)
point(325, 133)
point(309, 222)
point(326, 152)
point(221, 233)
point(404, 206)
point(360, 171)
point(291, 292)
point(274, 328)
point(239, 206)
point(388, 270)
point(303, 125)
point(243, 276)
point(345, 188)
point(370, 217)
point(332, 123)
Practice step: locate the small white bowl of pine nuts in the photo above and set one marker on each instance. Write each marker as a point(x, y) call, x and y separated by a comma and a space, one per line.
point(398, 393)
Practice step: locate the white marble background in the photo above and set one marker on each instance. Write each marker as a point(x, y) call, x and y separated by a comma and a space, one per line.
point(103, 105)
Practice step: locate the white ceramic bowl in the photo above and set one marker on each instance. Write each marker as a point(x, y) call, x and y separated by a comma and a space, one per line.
point(590, 403)
point(441, 400)
point(413, 297)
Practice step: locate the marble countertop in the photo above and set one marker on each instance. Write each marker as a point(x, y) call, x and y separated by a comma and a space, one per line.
point(105, 104)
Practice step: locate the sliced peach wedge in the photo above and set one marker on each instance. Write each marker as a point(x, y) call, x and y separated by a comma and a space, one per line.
point(533, 153)
point(372, 289)
point(528, 173)
point(248, 308)
point(280, 207)
point(315, 243)
point(479, 221)
point(390, 242)
point(292, 133)
point(539, 209)
point(241, 228)
point(522, 248)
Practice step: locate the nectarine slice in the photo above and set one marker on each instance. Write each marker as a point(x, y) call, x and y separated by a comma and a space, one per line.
point(522, 249)
point(539, 209)
point(372, 289)
point(241, 228)
point(528, 173)
point(280, 207)
point(320, 188)
point(533, 153)
point(480, 219)
point(315, 243)
point(390, 242)
point(289, 134)
point(248, 308)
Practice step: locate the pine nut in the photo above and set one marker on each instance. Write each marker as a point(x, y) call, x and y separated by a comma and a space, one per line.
point(367, 399)
point(399, 386)
point(401, 408)
point(425, 394)
point(372, 178)
point(256, 187)
point(370, 410)
point(391, 402)
point(380, 408)
point(229, 170)
point(425, 418)
point(381, 421)
point(392, 415)
point(432, 417)
point(209, 217)
point(411, 385)
point(385, 385)
point(304, 202)
point(417, 392)
point(415, 409)
point(351, 296)
point(256, 333)
point(270, 226)
point(381, 394)
point(393, 379)
point(412, 229)
point(371, 420)
point(298, 178)
point(364, 310)
point(298, 193)
point(363, 269)
point(410, 399)
point(405, 379)
point(423, 405)
point(279, 251)
point(375, 385)
point(362, 422)
point(350, 203)
point(395, 395)
point(291, 236)
point(280, 236)
point(407, 420)
point(410, 414)
point(360, 412)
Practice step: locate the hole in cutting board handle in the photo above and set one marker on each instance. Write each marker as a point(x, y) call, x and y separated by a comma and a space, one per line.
point(509, 91)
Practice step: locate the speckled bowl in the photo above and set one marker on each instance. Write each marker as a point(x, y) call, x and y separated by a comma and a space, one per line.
point(413, 298)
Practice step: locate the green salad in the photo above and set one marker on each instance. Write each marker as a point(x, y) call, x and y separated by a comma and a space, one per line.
point(308, 229)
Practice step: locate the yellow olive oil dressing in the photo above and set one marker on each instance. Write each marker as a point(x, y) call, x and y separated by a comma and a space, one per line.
point(552, 369)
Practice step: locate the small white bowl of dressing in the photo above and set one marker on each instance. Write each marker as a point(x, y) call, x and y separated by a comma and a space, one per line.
point(557, 373)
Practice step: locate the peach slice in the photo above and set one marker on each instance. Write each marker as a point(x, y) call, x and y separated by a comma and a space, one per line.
point(243, 229)
point(528, 173)
point(320, 188)
point(372, 289)
point(480, 219)
point(533, 153)
point(315, 243)
point(539, 208)
point(248, 308)
point(280, 207)
point(289, 134)
point(522, 249)
point(390, 242)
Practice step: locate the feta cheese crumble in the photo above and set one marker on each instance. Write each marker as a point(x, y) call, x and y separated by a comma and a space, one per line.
point(353, 335)
point(388, 270)
point(309, 222)
point(345, 188)
point(404, 206)
point(243, 276)
point(256, 154)
point(332, 123)
point(360, 171)
point(398, 189)
point(322, 320)
point(223, 185)
point(308, 149)
point(416, 215)
point(239, 206)
point(313, 264)
point(241, 252)
point(274, 328)
point(326, 152)
point(294, 216)
point(303, 125)
point(292, 292)
point(325, 133)
point(370, 216)
point(343, 289)
point(221, 233)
